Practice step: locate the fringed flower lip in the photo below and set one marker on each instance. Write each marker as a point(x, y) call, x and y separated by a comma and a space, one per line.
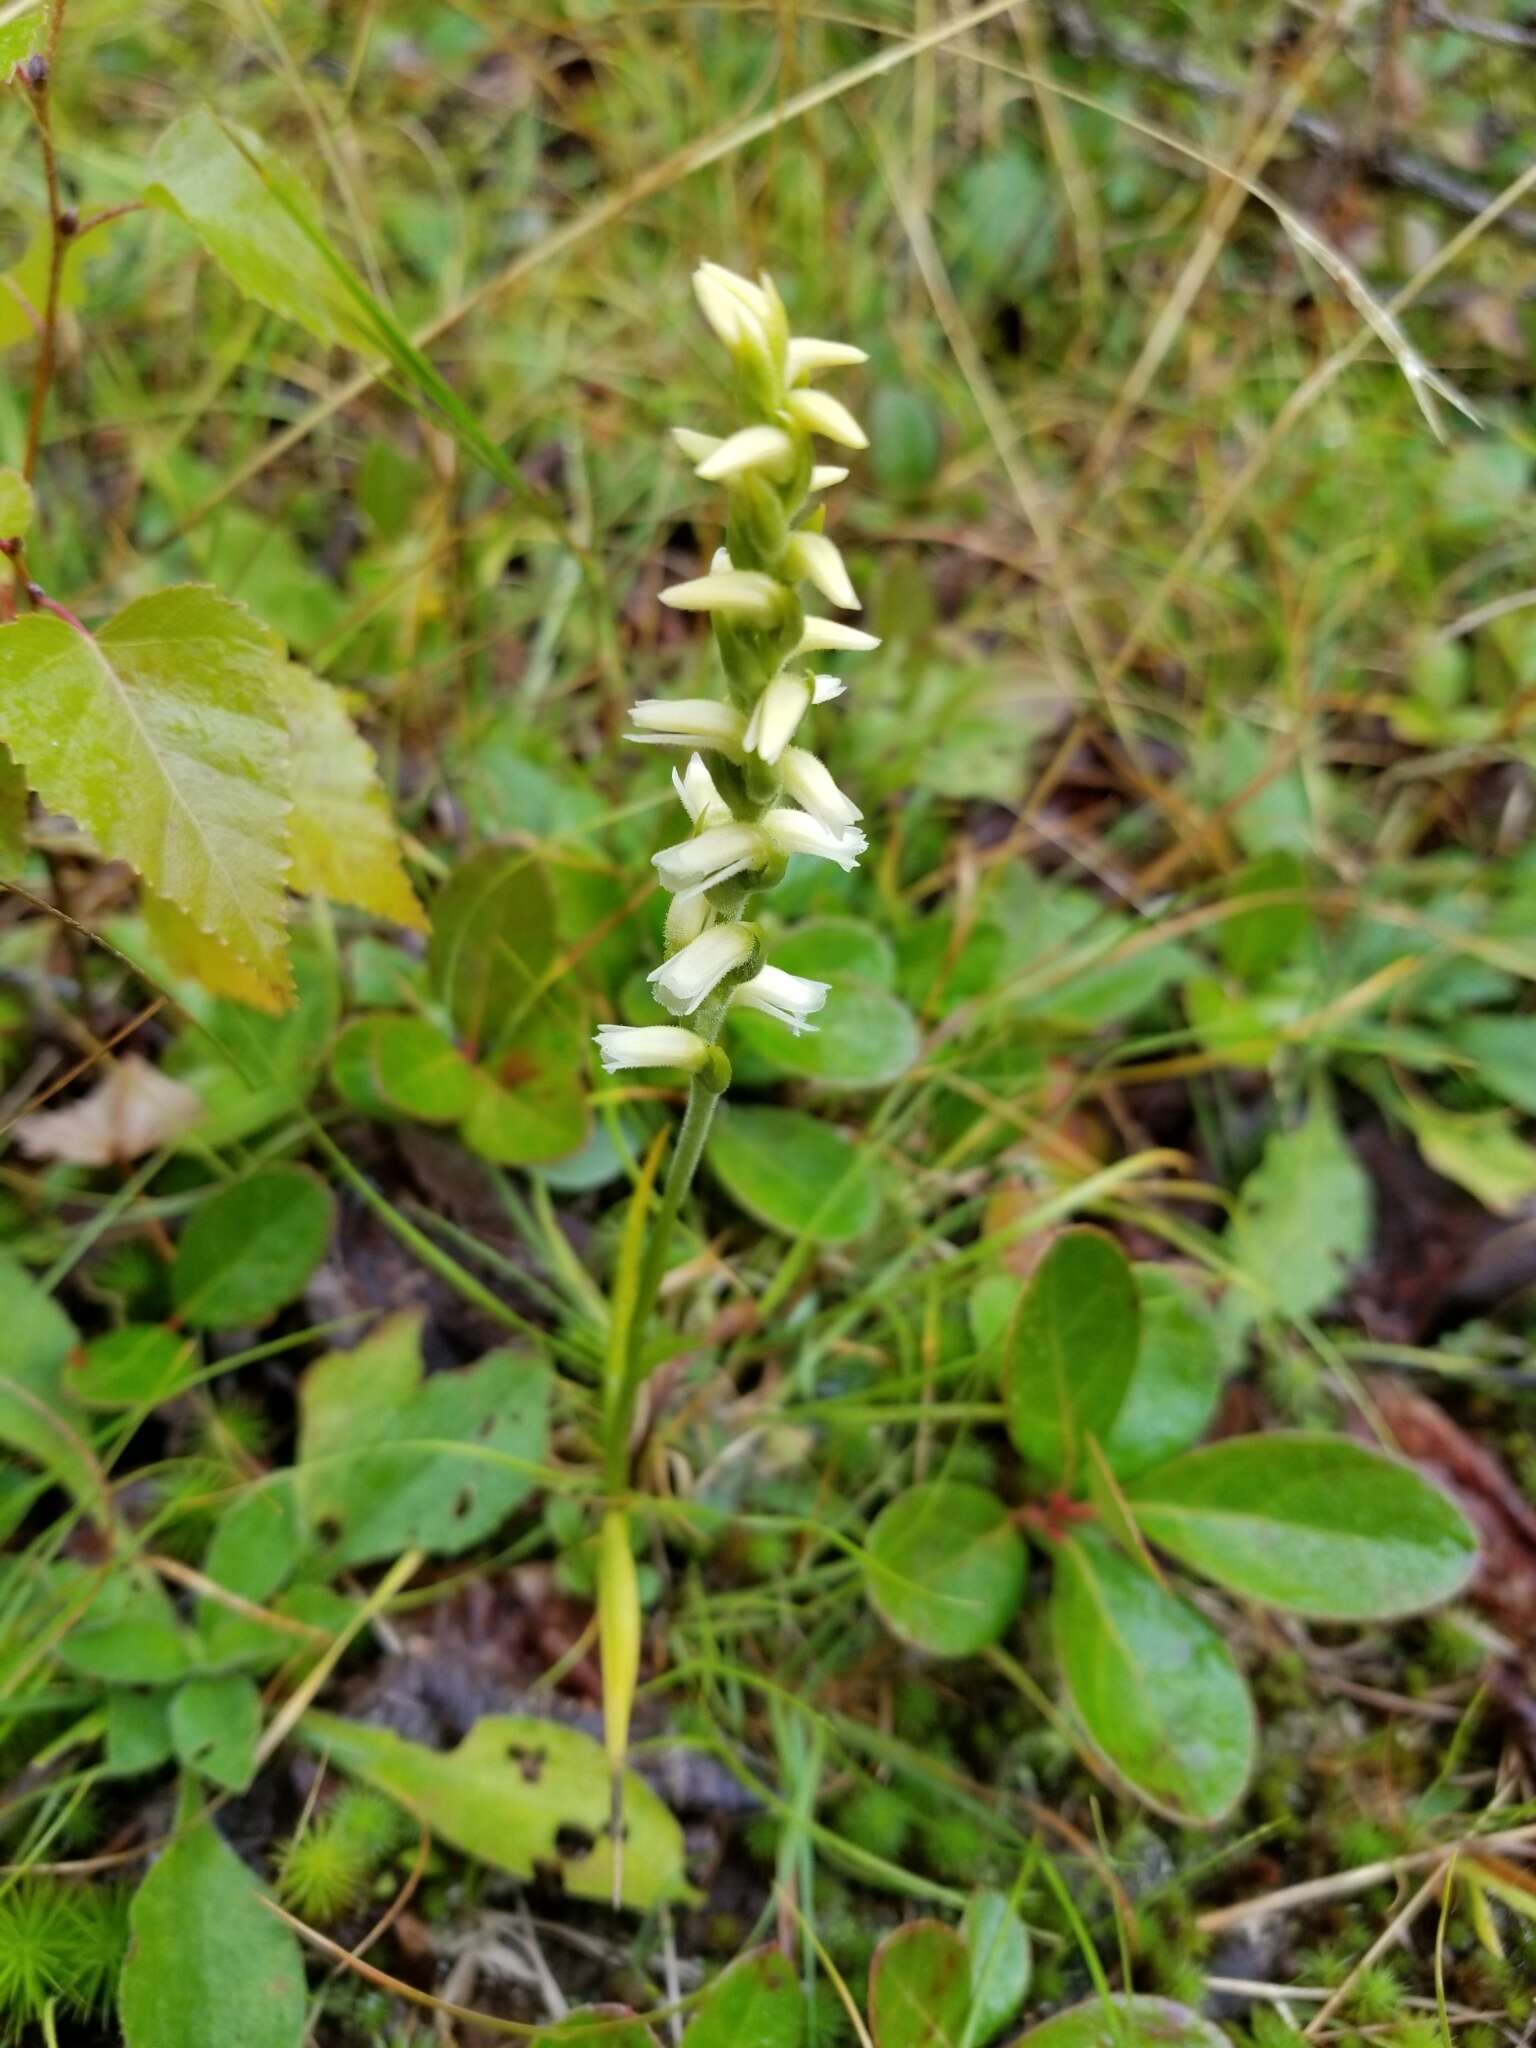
point(793, 998)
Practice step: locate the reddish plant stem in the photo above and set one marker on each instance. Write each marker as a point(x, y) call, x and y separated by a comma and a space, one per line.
point(61, 227)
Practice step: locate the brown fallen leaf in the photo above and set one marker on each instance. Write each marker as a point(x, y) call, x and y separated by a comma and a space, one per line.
point(133, 1111)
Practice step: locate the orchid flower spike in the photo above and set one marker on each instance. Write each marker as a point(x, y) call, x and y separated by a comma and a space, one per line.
point(767, 797)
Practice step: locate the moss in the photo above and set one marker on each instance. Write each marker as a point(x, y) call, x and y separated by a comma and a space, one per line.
point(876, 1818)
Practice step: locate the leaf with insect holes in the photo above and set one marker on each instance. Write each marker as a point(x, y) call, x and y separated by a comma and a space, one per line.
point(390, 1461)
point(207, 1962)
point(341, 834)
point(1125, 2022)
point(1154, 1687)
point(225, 184)
point(215, 1724)
point(944, 1567)
point(1070, 1350)
point(251, 1248)
point(920, 1987)
point(1308, 1522)
point(493, 944)
point(755, 2003)
point(162, 735)
point(524, 1795)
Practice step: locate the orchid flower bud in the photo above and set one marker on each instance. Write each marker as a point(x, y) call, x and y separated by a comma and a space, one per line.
point(620, 1046)
point(697, 447)
point(697, 794)
point(683, 982)
point(712, 857)
point(788, 831)
point(820, 636)
point(816, 558)
point(768, 449)
point(825, 474)
point(820, 413)
point(687, 722)
point(775, 716)
point(806, 356)
point(793, 998)
point(736, 309)
point(736, 593)
point(686, 917)
point(806, 779)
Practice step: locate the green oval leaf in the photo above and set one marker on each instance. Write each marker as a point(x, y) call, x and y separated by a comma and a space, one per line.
point(920, 1987)
point(251, 1248)
point(493, 940)
point(531, 1112)
point(1309, 1522)
point(207, 1962)
point(402, 1066)
point(944, 1567)
point(215, 1723)
point(998, 1945)
point(793, 1173)
point(1180, 1365)
point(1125, 2022)
point(1071, 1349)
point(756, 2003)
point(1154, 1687)
point(133, 1367)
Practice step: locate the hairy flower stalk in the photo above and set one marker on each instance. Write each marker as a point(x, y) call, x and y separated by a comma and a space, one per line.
point(762, 795)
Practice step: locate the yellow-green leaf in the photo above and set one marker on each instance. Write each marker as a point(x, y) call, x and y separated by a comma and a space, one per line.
point(162, 735)
point(341, 835)
point(15, 503)
point(223, 182)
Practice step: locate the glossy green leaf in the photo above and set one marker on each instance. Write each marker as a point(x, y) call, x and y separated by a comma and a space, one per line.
point(162, 735)
point(1125, 2022)
point(865, 1038)
point(208, 1966)
point(223, 182)
point(793, 1173)
point(1071, 1349)
point(215, 1724)
point(250, 1249)
point(493, 942)
point(755, 2003)
point(997, 1943)
point(920, 1987)
point(341, 831)
point(1310, 1522)
point(402, 1066)
point(136, 1366)
point(531, 1110)
point(138, 1732)
point(1303, 1218)
point(15, 491)
point(523, 1795)
point(944, 1567)
point(389, 1460)
point(1180, 1365)
point(1153, 1685)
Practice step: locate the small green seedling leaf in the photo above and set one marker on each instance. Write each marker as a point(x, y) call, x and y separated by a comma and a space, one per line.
point(944, 1567)
point(755, 2003)
point(793, 1173)
point(493, 943)
point(251, 1248)
point(1308, 1522)
point(1303, 1218)
point(138, 1732)
point(920, 1987)
point(215, 1724)
point(1125, 2022)
point(208, 1965)
point(136, 1366)
point(15, 491)
point(997, 1943)
point(402, 1066)
point(389, 1461)
point(1153, 1686)
point(162, 734)
point(523, 1795)
point(129, 1635)
point(1180, 1366)
point(1071, 1350)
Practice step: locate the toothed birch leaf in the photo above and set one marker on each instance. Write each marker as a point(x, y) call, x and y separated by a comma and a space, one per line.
point(341, 835)
point(163, 737)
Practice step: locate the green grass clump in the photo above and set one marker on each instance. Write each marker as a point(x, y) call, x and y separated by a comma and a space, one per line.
point(325, 1871)
point(61, 1947)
